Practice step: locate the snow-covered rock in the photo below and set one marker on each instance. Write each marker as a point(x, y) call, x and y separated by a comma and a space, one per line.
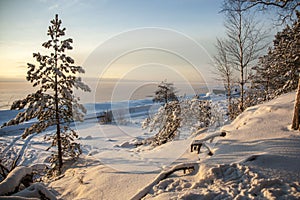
point(13, 179)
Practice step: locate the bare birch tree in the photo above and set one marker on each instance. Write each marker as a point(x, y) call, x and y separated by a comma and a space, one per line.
point(245, 40)
point(224, 70)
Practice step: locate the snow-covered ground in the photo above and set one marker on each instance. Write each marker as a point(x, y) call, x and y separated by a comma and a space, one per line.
point(258, 158)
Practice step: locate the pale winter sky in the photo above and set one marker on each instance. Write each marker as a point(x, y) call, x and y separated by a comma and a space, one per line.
point(97, 27)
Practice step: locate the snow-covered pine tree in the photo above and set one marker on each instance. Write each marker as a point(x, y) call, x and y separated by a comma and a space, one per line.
point(54, 104)
point(165, 92)
point(261, 80)
point(278, 71)
point(171, 121)
point(166, 121)
point(286, 53)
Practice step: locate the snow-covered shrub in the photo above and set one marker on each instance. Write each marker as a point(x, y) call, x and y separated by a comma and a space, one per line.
point(256, 96)
point(235, 108)
point(13, 185)
point(166, 121)
point(105, 118)
point(196, 114)
point(120, 116)
point(189, 115)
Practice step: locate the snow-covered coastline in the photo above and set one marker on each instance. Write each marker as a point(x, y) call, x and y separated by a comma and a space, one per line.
point(258, 158)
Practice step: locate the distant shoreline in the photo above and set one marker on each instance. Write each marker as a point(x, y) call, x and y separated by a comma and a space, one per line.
point(105, 90)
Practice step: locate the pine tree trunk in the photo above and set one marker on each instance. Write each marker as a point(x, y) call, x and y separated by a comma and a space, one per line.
point(295, 122)
point(58, 129)
point(59, 150)
point(166, 96)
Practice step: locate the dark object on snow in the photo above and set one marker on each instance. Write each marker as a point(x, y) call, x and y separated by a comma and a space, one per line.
point(197, 144)
point(189, 169)
point(251, 158)
point(223, 134)
point(105, 117)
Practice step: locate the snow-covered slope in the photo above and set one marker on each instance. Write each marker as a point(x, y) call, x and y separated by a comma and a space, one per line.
point(262, 134)
point(258, 159)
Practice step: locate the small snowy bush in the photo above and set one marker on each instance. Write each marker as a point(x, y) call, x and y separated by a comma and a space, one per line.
point(189, 115)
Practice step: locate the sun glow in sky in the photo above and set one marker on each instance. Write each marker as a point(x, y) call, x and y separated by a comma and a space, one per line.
point(23, 28)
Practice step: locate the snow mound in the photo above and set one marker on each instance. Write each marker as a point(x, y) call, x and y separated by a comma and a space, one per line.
point(88, 137)
point(125, 145)
point(89, 179)
point(228, 181)
point(13, 179)
point(36, 190)
point(262, 131)
point(263, 121)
